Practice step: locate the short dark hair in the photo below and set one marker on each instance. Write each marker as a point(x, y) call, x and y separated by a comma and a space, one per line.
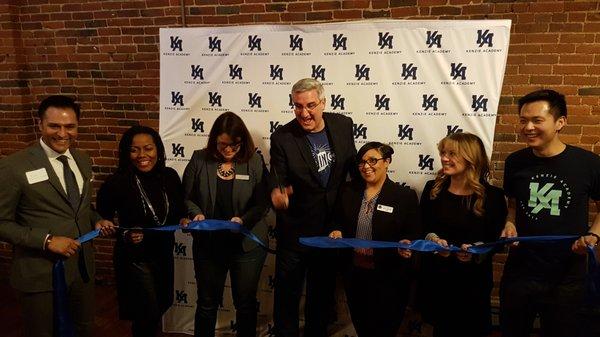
point(125, 147)
point(385, 150)
point(58, 101)
point(556, 101)
point(232, 125)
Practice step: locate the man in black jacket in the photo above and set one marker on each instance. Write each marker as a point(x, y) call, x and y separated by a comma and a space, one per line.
point(310, 157)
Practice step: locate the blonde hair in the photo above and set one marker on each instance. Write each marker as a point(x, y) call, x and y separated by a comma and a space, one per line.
point(477, 167)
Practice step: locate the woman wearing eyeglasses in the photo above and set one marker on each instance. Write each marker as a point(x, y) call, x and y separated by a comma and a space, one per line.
point(460, 208)
point(227, 181)
point(376, 208)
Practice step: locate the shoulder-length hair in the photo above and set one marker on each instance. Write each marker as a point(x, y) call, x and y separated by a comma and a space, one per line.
point(125, 148)
point(477, 167)
point(232, 125)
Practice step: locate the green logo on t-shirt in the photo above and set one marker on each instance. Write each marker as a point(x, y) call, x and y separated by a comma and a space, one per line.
point(547, 198)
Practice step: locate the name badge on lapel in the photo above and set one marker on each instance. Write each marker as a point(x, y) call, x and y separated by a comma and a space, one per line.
point(242, 177)
point(36, 176)
point(385, 208)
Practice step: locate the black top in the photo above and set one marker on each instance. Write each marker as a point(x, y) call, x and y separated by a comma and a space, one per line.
point(446, 281)
point(552, 198)
point(395, 217)
point(451, 217)
point(120, 196)
point(223, 204)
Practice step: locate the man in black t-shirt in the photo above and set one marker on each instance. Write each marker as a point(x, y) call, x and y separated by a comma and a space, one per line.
point(311, 157)
point(549, 185)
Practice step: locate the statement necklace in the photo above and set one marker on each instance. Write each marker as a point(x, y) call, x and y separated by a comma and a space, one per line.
point(227, 173)
point(146, 203)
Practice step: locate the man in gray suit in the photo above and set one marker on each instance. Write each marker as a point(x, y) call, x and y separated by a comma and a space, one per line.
point(46, 194)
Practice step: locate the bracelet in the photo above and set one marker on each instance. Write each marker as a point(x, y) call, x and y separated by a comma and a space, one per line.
point(594, 235)
point(48, 241)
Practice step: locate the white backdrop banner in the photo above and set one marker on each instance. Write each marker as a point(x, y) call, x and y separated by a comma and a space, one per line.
point(405, 83)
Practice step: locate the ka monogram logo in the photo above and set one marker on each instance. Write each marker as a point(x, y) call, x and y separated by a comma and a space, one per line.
point(296, 42)
point(453, 129)
point(362, 72)
point(337, 102)
point(176, 98)
point(479, 102)
point(254, 42)
point(434, 39)
point(177, 150)
point(543, 198)
point(176, 43)
point(197, 125)
point(180, 249)
point(425, 162)
point(235, 71)
point(485, 37)
point(254, 100)
point(276, 72)
point(273, 126)
point(181, 296)
point(458, 70)
point(214, 98)
point(382, 102)
point(197, 72)
point(405, 131)
point(430, 102)
point(214, 43)
point(385, 40)
point(359, 131)
point(318, 72)
point(409, 71)
point(339, 41)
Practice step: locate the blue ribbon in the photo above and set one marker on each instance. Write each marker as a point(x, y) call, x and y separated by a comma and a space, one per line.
point(204, 225)
point(423, 245)
point(63, 325)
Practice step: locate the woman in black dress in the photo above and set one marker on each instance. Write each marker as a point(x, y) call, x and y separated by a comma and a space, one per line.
point(376, 208)
point(460, 208)
point(143, 193)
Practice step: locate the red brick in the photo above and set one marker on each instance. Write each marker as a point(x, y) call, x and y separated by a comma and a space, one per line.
point(350, 4)
point(326, 5)
point(347, 14)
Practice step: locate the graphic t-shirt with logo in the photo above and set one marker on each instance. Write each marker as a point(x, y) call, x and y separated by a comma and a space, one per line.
point(322, 154)
point(552, 198)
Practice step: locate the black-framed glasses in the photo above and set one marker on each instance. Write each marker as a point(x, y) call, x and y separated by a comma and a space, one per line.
point(371, 161)
point(233, 146)
point(310, 107)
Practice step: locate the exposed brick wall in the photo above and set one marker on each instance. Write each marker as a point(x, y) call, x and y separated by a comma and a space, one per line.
point(105, 53)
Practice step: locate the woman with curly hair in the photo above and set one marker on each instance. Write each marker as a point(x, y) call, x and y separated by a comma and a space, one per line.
point(460, 208)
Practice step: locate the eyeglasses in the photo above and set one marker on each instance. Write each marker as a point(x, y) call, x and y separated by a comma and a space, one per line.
point(310, 107)
point(371, 161)
point(234, 146)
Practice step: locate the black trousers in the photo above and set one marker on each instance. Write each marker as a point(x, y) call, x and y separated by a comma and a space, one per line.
point(376, 300)
point(291, 269)
point(211, 271)
point(557, 304)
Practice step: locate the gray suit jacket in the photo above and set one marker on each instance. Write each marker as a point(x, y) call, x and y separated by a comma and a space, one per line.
point(30, 211)
point(249, 195)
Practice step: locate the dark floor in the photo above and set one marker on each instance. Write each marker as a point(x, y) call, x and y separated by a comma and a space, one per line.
point(107, 323)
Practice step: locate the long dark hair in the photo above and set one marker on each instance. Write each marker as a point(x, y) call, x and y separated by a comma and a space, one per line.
point(232, 125)
point(125, 148)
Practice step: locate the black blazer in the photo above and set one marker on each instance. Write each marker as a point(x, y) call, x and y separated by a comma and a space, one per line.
point(311, 204)
point(401, 223)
